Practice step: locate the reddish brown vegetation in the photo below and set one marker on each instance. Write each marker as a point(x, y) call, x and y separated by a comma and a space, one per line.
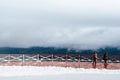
point(65, 64)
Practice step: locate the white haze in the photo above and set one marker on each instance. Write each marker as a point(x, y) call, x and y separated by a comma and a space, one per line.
point(79, 24)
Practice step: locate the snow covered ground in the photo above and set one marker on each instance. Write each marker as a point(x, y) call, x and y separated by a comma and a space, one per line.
point(56, 73)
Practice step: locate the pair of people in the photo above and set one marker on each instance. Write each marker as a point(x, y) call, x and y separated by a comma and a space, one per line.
point(105, 58)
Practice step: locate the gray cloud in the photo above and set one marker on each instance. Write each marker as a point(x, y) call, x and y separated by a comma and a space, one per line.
point(65, 23)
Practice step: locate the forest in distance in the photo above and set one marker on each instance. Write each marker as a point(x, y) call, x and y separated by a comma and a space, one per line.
point(53, 50)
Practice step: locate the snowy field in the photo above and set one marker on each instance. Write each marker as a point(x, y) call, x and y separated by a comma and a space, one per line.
point(56, 73)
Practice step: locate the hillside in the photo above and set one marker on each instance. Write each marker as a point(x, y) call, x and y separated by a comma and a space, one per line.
point(52, 50)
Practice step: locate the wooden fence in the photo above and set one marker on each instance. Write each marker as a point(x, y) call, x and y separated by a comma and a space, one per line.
point(43, 60)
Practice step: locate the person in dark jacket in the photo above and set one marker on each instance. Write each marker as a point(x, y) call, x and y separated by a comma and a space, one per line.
point(94, 59)
point(105, 58)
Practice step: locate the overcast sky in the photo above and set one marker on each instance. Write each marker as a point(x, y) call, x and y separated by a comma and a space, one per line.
point(80, 24)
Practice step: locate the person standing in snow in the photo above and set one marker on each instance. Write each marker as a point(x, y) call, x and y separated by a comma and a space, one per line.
point(105, 58)
point(94, 59)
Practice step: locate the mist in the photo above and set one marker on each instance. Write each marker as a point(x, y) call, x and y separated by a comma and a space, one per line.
point(78, 24)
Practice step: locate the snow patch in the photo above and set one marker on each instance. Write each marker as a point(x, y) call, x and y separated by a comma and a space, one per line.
point(7, 71)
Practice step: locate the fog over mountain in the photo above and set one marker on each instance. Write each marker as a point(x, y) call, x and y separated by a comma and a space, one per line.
point(78, 24)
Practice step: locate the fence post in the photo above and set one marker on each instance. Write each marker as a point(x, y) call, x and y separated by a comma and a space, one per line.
point(79, 60)
point(38, 60)
point(66, 60)
point(8, 59)
point(23, 59)
point(52, 59)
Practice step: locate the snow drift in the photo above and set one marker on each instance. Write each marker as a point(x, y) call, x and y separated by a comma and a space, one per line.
point(56, 73)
